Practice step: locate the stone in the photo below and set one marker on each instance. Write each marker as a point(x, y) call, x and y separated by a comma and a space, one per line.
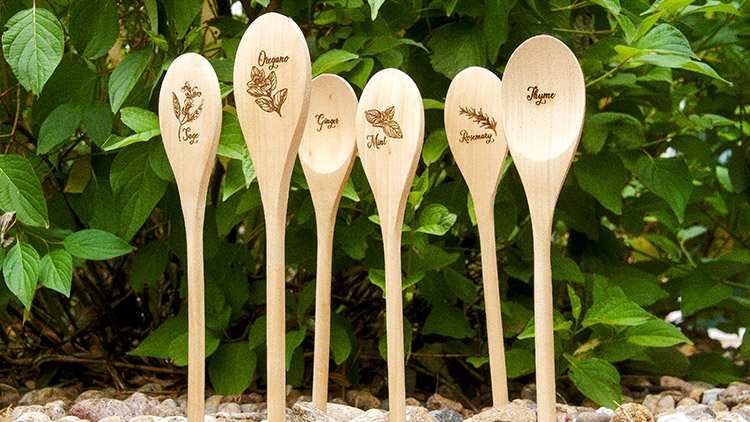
point(170, 403)
point(253, 408)
point(447, 415)
point(697, 394)
point(140, 403)
point(632, 412)
point(20, 410)
point(411, 401)
point(665, 404)
point(513, 411)
point(418, 414)
point(730, 417)
point(152, 387)
point(96, 409)
point(9, 399)
point(676, 383)
point(718, 406)
point(650, 401)
point(95, 394)
point(56, 409)
point(44, 396)
point(244, 416)
point(437, 402)
point(675, 417)
point(145, 418)
point(34, 417)
point(700, 411)
point(592, 417)
point(687, 401)
point(164, 411)
point(362, 399)
point(174, 419)
point(711, 395)
point(528, 392)
point(69, 419)
point(372, 415)
point(212, 404)
point(113, 419)
point(342, 413)
point(306, 412)
point(229, 408)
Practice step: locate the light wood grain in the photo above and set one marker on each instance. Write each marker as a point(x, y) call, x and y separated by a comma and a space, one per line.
point(477, 141)
point(543, 133)
point(393, 104)
point(190, 121)
point(327, 155)
point(272, 92)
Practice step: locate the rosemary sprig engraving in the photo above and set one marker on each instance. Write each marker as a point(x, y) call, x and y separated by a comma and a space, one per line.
point(185, 113)
point(484, 120)
point(385, 120)
point(262, 87)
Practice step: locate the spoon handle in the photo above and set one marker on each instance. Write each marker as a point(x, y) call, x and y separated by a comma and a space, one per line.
point(196, 310)
point(498, 376)
point(543, 322)
point(276, 314)
point(394, 322)
point(324, 225)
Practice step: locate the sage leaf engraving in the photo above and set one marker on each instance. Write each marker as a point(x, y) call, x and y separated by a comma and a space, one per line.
point(385, 120)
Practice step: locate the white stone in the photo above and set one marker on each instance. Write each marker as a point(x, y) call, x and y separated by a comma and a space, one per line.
point(676, 417)
point(34, 417)
point(710, 396)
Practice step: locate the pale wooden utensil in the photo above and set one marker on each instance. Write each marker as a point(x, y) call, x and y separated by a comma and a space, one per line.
point(190, 121)
point(390, 134)
point(327, 155)
point(477, 141)
point(272, 92)
point(543, 104)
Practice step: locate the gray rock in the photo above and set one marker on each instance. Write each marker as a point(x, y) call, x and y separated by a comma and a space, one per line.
point(437, 402)
point(150, 388)
point(44, 396)
point(212, 404)
point(342, 413)
point(113, 419)
point(730, 417)
point(140, 403)
point(56, 409)
point(446, 415)
point(253, 408)
point(69, 419)
point(676, 417)
point(241, 416)
point(362, 399)
point(96, 409)
point(700, 411)
point(510, 412)
point(664, 404)
point(688, 402)
point(174, 419)
point(306, 412)
point(20, 410)
point(418, 414)
point(592, 417)
point(170, 403)
point(146, 418)
point(229, 408)
point(107, 393)
point(34, 417)
point(676, 383)
point(372, 415)
point(164, 411)
point(710, 396)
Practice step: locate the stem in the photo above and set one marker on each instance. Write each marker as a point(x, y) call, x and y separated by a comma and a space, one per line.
point(613, 70)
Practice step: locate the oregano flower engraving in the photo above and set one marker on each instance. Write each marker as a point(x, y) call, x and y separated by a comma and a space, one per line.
point(484, 120)
point(385, 120)
point(185, 113)
point(262, 87)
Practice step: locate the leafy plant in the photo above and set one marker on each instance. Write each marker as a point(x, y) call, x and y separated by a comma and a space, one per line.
point(653, 218)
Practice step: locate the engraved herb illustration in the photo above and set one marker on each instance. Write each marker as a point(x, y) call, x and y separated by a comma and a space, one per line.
point(186, 113)
point(385, 121)
point(484, 120)
point(262, 87)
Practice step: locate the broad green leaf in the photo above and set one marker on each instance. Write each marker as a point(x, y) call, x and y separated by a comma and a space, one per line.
point(680, 62)
point(377, 277)
point(232, 368)
point(519, 362)
point(330, 59)
point(715, 369)
point(575, 302)
point(294, 340)
point(374, 7)
point(126, 75)
point(58, 127)
point(434, 146)
point(97, 121)
point(628, 27)
point(665, 39)
point(669, 178)
point(383, 344)
point(597, 128)
point(712, 6)
point(341, 345)
point(306, 300)
point(178, 348)
point(449, 5)
point(699, 292)
point(231, 142)
point(139, 120)
point(56, 271)
point(449, 321)
point(461, 286)
point(33, 46)
point(156, 345)
point(149, 264)
point(360, 74)
point(646, 25)
point(21, 271)
point(559, 324)
point(136, 188)
point(180, 15)
point(496, 25)
point(96, 244)
point(457, 46)
point(655, 333)
point(596, 379)
point(435, 219)
point(565, 269)
point(93, 26)
point(257, 335)
point(639, 286)
point(615, 311)
point(602, 176)
point(691, 233)
point(21, 191)
point(612, 5)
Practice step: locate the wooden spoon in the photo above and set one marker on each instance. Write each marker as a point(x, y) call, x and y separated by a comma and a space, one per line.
point(477, 141)
point(390, 134)
point(272, 91)
point(190, 121)
point(327, 156)
point(543, 104)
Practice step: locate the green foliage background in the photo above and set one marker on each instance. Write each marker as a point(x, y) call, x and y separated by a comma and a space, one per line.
point(653, 217)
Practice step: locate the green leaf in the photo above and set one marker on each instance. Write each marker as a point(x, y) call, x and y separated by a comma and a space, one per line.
point(21, 271)
point(149, 264)
point(93, 26)
point(58, 127)
point(96, 244)
point(669, 178)
point(180, 15)
point(559, 324)
point(655, 333)
point(139, 120)
point(56, 271)
point(616, 311)
point(156, 345)
point(383, 343)
point(665, 39)
point(496, 25)
point(680, 62)
point(449, 321)
point(97, 120)
point(699, 292)
point(612, 5)
point(712, 6)
point(434, 146)
point(330, 59)
point(21, 191)
point(596, 379)
point(639, 286)
point(231, 142)
point(374, 7)
point(178, 348)
point(602, 176)
point(461, 286)
point(126, 75)
point(597, 128)
point(232, 368)
point(257, 334)
point(519, 362)
point(565, 269)
point(33, 46)
point(457, 46)
point(575, 302)
point(136, 188)
point(341, 345)
point(435, 219)
point(294, 340)
point(715, 369)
